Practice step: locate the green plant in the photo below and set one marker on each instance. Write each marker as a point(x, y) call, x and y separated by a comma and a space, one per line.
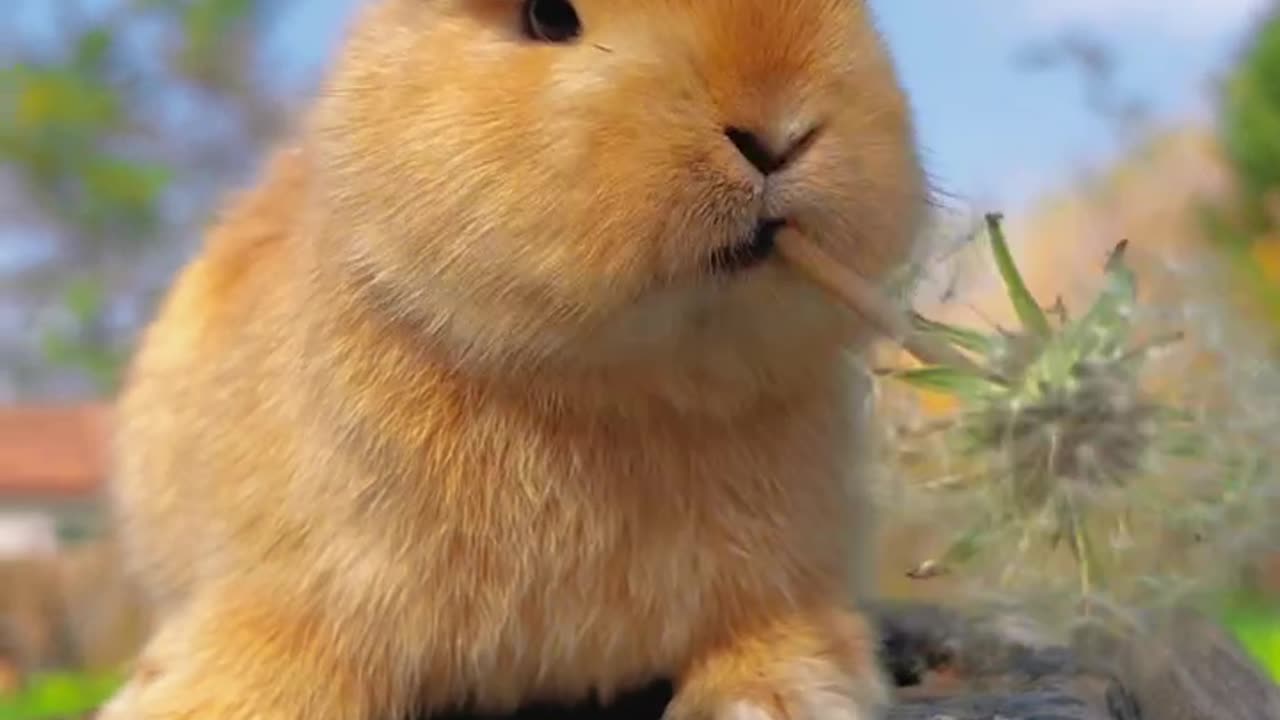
point(1250, 129)
point(1076, 483)
point(59, 696)
point(108, 187)
point(60, 121)
point(1249, 135)
point(1256, 623)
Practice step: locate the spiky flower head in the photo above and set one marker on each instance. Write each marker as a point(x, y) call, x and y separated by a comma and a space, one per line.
point(1056, 436)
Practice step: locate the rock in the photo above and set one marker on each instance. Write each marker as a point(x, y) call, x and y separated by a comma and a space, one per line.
point(1187, 668)
point(1183, 668)
point(948, 668)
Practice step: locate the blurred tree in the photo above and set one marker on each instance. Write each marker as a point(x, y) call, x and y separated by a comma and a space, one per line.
point(1249, 130)
point(121, 121)
point(1124, 111)
point(1097, 63)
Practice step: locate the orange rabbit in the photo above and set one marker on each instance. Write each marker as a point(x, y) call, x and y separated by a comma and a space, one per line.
point(491, 390)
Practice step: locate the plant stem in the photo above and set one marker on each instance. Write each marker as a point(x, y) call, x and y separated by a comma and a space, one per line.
point(1033, 318)
point(859, 296)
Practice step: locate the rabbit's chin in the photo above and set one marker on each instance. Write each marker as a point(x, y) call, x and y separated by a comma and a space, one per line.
point(729, 319)
point(749, 253)
point(751, 310)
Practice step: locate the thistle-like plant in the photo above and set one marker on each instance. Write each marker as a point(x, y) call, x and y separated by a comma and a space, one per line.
point(1066, 450)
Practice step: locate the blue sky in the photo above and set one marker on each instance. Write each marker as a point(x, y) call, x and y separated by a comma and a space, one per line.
point(998, 135)
point(995, 136)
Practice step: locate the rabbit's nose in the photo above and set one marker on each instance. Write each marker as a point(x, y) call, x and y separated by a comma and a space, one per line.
point(761, 156)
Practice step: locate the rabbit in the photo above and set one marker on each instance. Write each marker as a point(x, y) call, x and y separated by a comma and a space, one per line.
point(491, 388)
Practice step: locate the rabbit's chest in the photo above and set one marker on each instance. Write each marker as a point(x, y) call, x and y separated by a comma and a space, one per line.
point(582, 563)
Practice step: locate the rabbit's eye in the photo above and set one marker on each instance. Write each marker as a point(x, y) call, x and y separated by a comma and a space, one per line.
point(553, 21)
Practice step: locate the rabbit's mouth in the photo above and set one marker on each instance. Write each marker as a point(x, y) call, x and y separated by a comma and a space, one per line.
point(748, 253)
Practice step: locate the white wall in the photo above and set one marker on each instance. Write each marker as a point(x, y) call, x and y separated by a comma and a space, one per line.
point(27, 532)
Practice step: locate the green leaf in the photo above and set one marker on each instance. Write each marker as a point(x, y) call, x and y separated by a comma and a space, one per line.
point(1256, 624)
point(948, 380)
point(58, 97)
point(92, 49)
point(207, 22)
point(1106, 324)
point(84, 298)
point(129, 184)
point(1029, 311)
point(101, 365)
point(965, 338)
point(59, 696)
point(958, 552)
point(965, 548)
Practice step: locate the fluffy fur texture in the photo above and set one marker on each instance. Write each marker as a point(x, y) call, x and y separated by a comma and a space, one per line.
point(450, 409)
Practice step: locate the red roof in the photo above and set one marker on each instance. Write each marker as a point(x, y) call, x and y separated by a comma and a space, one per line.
point(53, 450)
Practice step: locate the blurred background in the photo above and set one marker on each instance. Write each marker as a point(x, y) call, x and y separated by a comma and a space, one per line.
point(123, 122)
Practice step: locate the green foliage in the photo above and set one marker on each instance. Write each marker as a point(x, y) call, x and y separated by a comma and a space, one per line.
point(83, 299)
point(1251, 124)
point(1250, 137)
point(1029, 311)
point(58, 122)
point(1256, 623)
point(59, 696)
point(1074, 480)
point(207, 23)
point(1051, 396)
point(77, 129)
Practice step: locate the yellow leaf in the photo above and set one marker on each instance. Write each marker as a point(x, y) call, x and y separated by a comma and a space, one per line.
point(1266, 252)
point(937, 403)
point(34, 105)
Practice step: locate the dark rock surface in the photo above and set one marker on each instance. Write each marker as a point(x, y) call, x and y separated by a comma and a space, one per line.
point(1183, 668)
point(949, 669)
